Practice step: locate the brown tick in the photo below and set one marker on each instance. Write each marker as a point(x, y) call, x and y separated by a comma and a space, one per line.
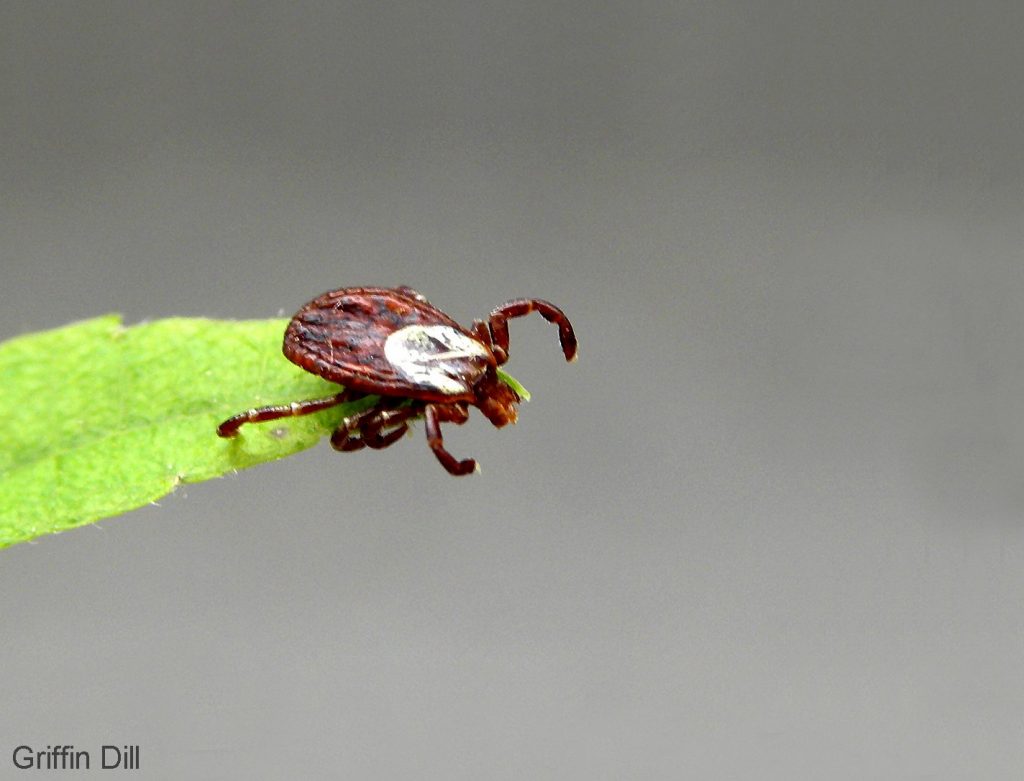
point(392, 343)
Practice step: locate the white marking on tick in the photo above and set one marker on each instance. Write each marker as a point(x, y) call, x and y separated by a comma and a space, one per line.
point(436, 355)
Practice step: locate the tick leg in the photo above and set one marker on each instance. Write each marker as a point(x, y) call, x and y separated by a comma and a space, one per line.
point(521, 307)
point(368, 424)
point(371, 429)
point(229, 427)
point(379, 441)
point(343, 439)
point(482, 332)
point(435, 413)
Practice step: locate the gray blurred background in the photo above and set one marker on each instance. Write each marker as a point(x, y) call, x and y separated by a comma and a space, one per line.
point(771, 525)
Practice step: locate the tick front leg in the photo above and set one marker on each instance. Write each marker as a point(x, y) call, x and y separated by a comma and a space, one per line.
point(434, 415)
point(499, 318)
point(482, 331)
point(229, 427)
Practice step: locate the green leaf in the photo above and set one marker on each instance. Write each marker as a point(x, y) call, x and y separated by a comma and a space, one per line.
point(514, 384)
point(97, 419)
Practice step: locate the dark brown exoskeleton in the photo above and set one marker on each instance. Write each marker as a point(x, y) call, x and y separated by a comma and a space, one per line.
point(392, 343)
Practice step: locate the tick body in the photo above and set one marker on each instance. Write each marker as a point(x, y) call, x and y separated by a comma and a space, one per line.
point(392, 343)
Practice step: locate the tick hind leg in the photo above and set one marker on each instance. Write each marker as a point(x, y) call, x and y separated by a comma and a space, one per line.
point(498, 322)
point(451, 413)
point(229, 427)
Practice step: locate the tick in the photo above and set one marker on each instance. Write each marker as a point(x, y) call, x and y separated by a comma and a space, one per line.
point(392, 343)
